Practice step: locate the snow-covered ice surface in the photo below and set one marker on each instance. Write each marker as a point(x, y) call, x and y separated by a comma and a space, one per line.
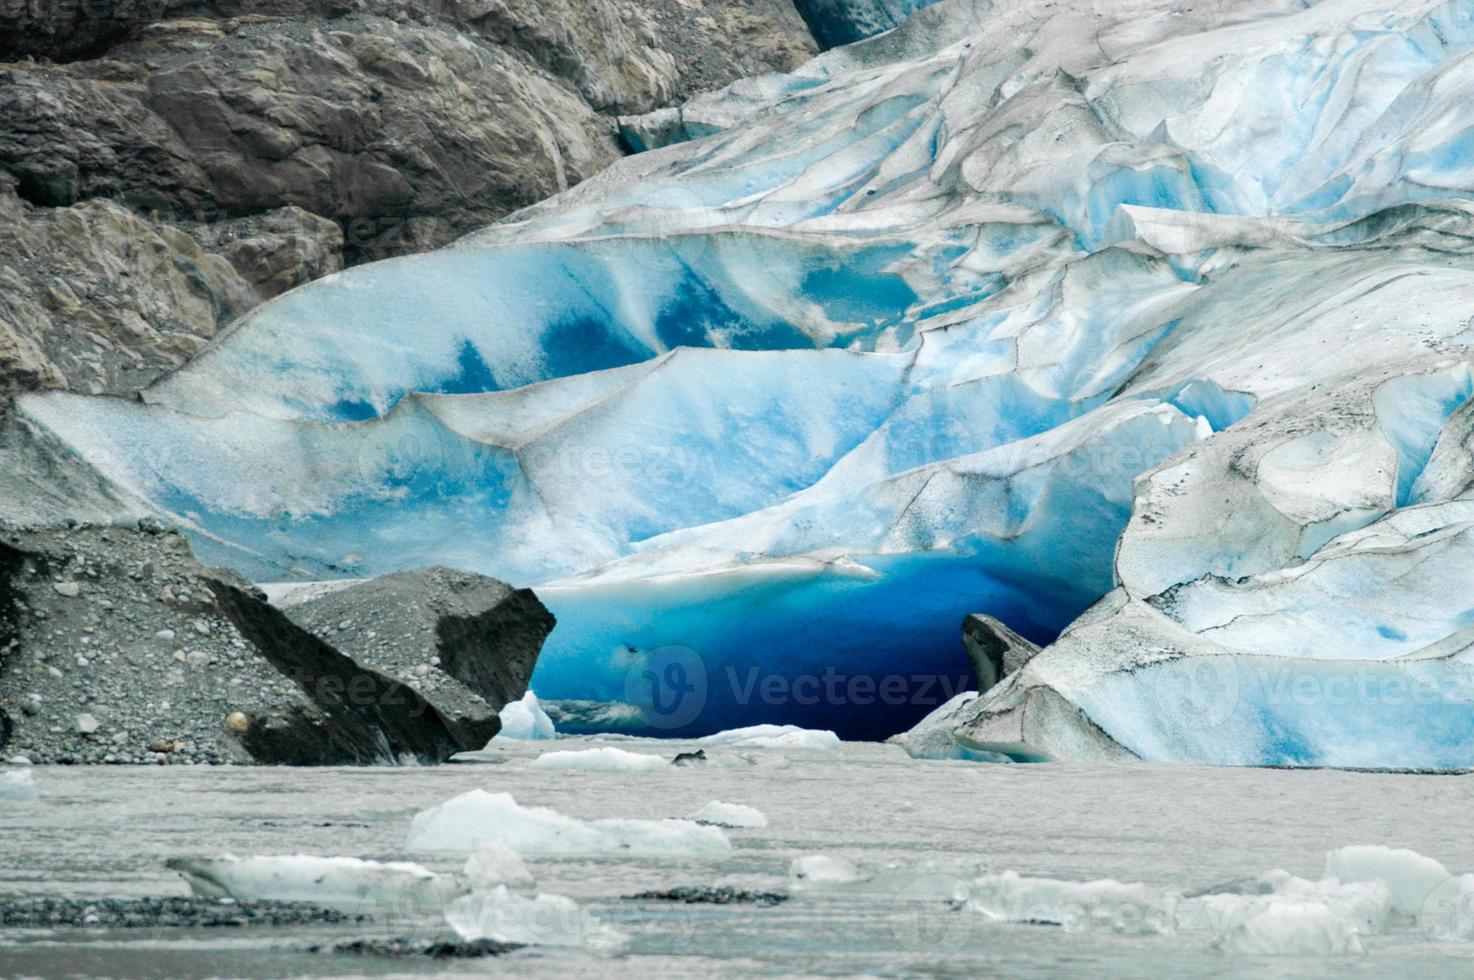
point(922, 834)
point(894, 343)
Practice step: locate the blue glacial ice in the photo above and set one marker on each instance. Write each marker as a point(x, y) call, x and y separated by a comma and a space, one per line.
point(1163, 318)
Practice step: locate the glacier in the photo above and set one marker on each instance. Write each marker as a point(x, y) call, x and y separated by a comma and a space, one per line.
point(1147, 337)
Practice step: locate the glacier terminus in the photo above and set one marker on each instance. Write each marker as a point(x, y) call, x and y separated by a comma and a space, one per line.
point(1143, 328)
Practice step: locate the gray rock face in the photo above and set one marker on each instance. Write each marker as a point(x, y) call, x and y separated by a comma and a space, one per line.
point(154, 658)
point(174, 165)
point(995, 650)
point(465, 643)
point(94, 298)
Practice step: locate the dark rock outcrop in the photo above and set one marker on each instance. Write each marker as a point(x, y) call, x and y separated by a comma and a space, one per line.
point(116, 645)
point(166, 165)
point(995, 650)
point(465, 643)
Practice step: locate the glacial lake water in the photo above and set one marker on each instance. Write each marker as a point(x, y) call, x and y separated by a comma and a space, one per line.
point(106, 833)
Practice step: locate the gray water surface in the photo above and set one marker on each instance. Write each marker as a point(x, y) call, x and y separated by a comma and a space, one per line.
point(107, 831)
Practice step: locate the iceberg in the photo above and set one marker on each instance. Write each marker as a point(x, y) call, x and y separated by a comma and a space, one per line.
point(1366, 891)
point(606, 759)
point(775, 737)
point(17, 785)
point(524, 720)
point(492, 863)
point(345, 882)
point(459, 823)
point(544, 920)
point(824, 871)
point(1138, 328)
point(732, 815)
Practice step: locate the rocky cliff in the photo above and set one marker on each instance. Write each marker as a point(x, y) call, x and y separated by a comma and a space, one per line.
point(165, 166)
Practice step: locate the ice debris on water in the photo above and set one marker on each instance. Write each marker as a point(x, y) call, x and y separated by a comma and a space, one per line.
point(604, 759)
point(537, 831)
point(789, 737)
point(525, 720)
point(342, 882)
point(503, 916)
point(17, 785)
point(736, 816)
point(1366, 891)
point(493, 862)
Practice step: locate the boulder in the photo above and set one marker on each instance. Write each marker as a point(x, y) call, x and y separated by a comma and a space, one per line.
point(156, 658)
point(995, 650)
point(465, 643)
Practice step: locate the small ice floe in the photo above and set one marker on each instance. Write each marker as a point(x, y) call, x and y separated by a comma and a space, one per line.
point(733, 815)
point(775, 737)
point(456, 824)
point(599, 760)
point(1011, 897)
point(1366, 891)
point(494, 862)
point(545, 920)
point(525, 721)
point(17, 785)
point(341, 882)
point(823, 871)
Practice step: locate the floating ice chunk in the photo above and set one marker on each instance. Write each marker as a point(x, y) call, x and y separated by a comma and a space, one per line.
point(733, 815)
point(18, 784)
point(456, 825)
point(605, 759)
point(1284, 927)
point(775, 737)
point(525, 720)
point(1410, 877)
point(1077, 906)
point(1281, 913)
point(823, 871)
point(546, 920)
point(493, 862)
point(335, 881)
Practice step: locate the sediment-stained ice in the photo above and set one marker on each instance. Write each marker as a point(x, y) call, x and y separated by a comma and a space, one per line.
point(345, 882)
point(736, 816)
point(1150, 310)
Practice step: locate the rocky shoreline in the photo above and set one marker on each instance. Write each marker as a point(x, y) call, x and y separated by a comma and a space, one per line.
point(117, 646)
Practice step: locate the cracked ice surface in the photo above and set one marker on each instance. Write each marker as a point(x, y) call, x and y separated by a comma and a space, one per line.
point(894, 343)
